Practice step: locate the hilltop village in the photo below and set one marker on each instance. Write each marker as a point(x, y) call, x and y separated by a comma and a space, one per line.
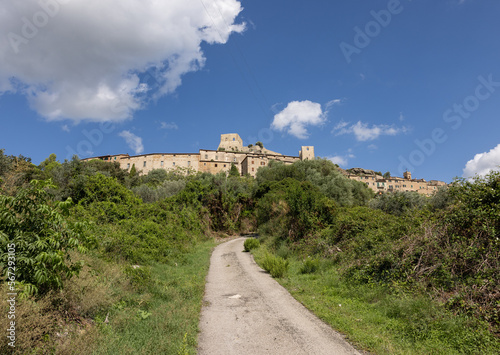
point(248, 159)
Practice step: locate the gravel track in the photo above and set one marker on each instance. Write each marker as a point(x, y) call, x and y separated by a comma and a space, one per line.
point(245, 312)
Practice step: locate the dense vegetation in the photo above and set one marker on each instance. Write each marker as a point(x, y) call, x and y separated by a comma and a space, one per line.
point(111, 260)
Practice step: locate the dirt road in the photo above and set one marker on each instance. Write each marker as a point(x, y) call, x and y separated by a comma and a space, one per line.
point(247, 312)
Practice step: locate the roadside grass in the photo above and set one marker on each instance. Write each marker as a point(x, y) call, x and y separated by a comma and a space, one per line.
point(382, 319)
point(158, 315)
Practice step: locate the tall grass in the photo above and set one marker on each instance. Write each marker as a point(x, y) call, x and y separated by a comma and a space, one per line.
point(378, 318)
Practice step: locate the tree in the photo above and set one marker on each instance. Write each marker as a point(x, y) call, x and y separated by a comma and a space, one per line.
point(234, 171)
point(323, 174)
point(387, 175)
point(259, 144)
point(399, 202)
point(133, 171)
point(49, 164)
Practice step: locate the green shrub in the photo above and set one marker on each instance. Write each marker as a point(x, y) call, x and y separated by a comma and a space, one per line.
point(99, 187)
point(309, 266)
point(275, 265)
point(39, 237)
point(251, 243)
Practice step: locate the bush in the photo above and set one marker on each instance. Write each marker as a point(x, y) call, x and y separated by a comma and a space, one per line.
point(40, 236)
point(275, 265)
point(309, 266)
point(99, 187)
point(251, 243)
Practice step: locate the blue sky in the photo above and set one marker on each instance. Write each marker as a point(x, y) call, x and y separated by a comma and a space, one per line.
point(383, 85)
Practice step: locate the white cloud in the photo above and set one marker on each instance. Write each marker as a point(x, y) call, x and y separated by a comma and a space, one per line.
point(296, 116)
point(102, 60)
point(133, 141)
point(340, 128)
point(333, 103)
point(170, 125)
point(364, 132)
point(483, 163)
point(65, 128)
point(341, 160)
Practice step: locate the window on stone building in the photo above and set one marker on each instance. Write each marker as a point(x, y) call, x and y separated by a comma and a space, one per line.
point(144, 165)
point(161, 163)
point(216, 157)
point(128, 166)
point(189, 163)
point(252, 161)
point(206, 156)
point(253, 169)
point(224, 165)
point(173, 163)
point(234, 159)
point(204, 164)
point(215, 165)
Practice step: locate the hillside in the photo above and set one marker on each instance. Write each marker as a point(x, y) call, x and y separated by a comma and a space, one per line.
point(109, 261)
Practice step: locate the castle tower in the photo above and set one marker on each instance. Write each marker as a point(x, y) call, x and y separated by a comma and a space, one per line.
point(306, 153)
point(231, 142)
point(407, 175)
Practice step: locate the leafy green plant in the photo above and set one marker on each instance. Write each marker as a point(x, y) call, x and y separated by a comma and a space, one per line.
point(143, 314)
point(275, 265)
point(251, 243)
point(39, 237)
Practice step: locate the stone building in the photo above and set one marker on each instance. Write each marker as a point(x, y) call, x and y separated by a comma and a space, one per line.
point(379, 184)
point(230, 151)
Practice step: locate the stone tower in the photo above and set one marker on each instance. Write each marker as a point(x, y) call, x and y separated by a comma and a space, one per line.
point(407, 175)
point(306, 153)
point(231, 142)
